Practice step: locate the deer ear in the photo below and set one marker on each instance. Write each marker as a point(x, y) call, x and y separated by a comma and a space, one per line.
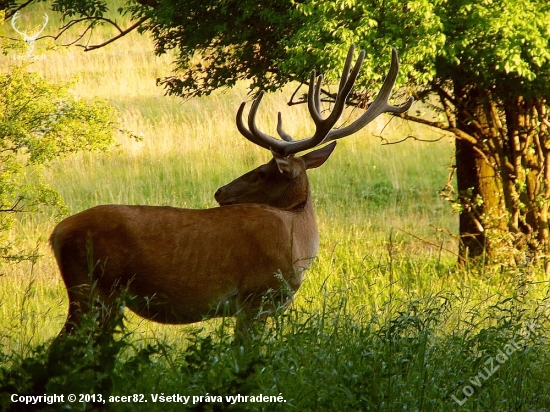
point(286, 166)
point(318, 157)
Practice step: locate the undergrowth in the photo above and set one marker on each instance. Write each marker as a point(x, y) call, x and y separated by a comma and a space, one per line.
point(439, 352)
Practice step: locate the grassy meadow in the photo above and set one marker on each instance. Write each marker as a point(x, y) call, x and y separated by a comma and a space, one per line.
point(384, 320)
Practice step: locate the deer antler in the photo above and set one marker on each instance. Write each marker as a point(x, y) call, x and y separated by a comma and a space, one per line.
point(26, 37)
point(323, 132)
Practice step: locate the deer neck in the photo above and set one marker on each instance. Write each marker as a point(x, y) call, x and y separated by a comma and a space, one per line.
point(297, 196)
point(304, 215)
point(305, 238)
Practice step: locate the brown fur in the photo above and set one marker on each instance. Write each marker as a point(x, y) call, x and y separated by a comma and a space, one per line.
point(181, 265)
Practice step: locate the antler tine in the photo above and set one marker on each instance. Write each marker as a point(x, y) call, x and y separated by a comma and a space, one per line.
point(270, 140)
point(313, 103)
point(314, 92)
point(324, 126)
point(314, 97)
point(346, 85)
point(347, 66)
point(13, 20)
point(317, 95)
point(379, 106)
point(244, 131)
point(253, 133)
point(285, 136)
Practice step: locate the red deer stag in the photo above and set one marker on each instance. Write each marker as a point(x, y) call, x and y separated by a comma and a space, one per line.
point(182, 265)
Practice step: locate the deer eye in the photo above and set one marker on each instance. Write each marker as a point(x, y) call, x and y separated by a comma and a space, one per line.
point(261, 176)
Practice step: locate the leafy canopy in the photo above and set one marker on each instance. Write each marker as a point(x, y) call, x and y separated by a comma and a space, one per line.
point(491, 43)
point(482, 65)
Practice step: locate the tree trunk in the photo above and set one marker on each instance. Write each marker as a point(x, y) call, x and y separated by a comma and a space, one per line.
point(480, 195)
point(472, 235)
point(482, 217)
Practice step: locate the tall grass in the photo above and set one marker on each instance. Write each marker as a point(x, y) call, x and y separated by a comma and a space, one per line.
point(384, 319)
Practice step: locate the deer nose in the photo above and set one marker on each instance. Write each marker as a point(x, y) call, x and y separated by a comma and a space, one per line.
point(218, 193)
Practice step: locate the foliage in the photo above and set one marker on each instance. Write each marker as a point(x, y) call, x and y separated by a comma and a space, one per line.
point(40, 122)
point(220, 43)
point(273, 43)
point(485, 66)
point(82, 363)
point(492, 85)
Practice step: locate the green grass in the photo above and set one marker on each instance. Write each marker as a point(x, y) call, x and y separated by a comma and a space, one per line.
point(383, 321)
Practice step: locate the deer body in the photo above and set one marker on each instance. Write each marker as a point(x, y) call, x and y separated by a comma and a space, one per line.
point(181, 265)
point(191, 267)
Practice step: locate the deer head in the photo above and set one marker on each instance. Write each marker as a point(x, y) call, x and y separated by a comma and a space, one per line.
point(267, 183)
point(280, 183)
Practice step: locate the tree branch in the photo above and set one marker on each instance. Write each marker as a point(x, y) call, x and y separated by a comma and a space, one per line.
point(386, 142)
point(93, 22)
point(437, 125)
point(428, 242)
point(9, 14)
point(121, 34)
point(14, 208)
point(330, 96)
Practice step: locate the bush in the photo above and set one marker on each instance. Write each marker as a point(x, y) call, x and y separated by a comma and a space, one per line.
point(40, 122)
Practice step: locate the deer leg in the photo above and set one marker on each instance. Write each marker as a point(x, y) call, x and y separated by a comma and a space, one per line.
point(250, 314)
point(78, 307)
point(254, 310)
